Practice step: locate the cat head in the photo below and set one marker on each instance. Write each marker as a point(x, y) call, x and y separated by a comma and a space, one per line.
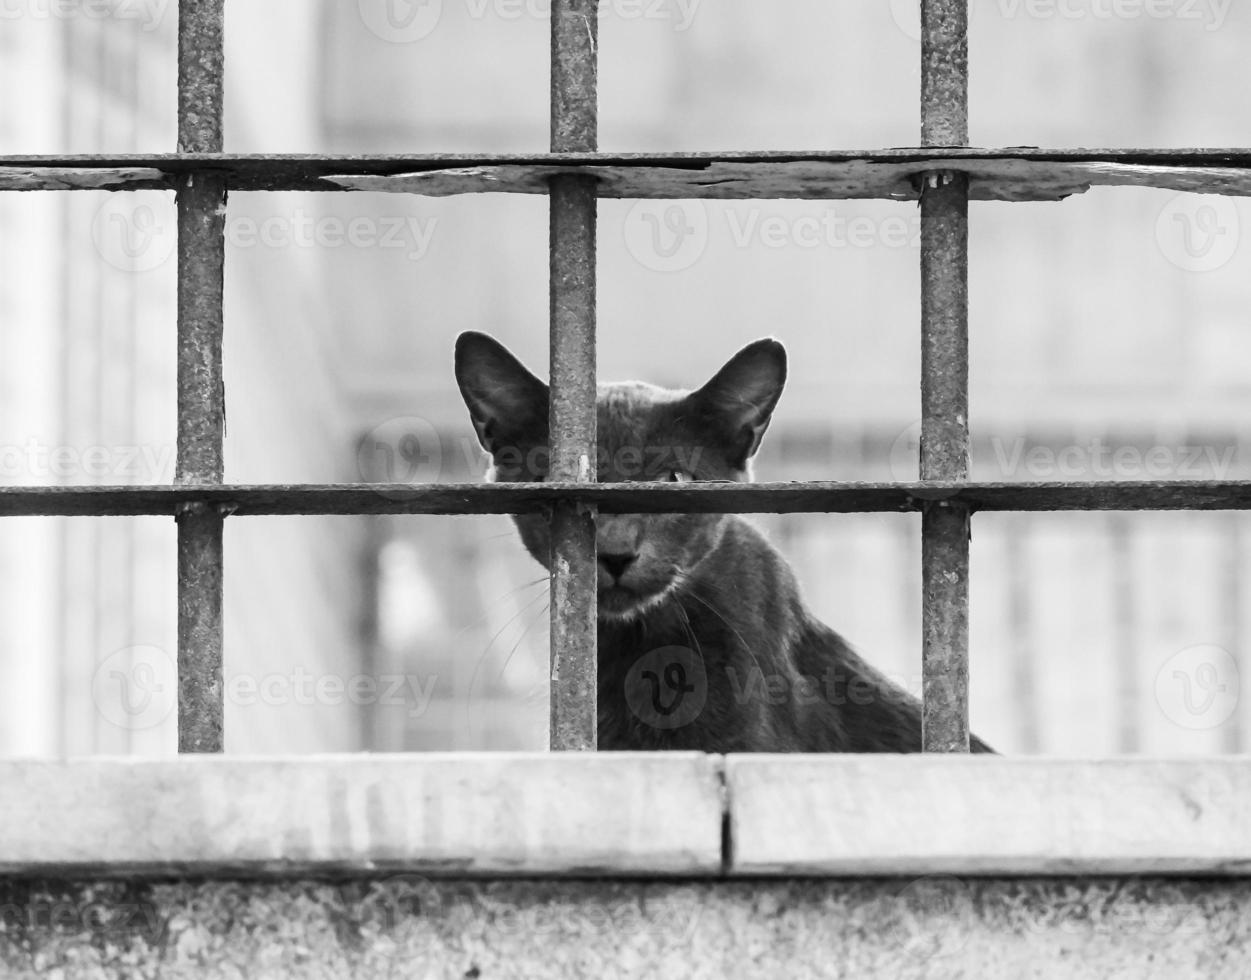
point(643, 433)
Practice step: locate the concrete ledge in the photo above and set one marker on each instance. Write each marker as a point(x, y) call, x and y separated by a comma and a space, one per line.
point(840, 815)
point(624, 815)
point(480, 813)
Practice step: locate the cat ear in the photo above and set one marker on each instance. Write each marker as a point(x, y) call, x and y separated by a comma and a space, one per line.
point(508, 404)
point(740, 398)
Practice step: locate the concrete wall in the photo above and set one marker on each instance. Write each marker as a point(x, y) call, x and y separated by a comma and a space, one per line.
point(407, 926)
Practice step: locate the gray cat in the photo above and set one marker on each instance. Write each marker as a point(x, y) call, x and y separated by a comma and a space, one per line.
point(704, 641)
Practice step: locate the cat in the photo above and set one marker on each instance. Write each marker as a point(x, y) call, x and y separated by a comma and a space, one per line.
point(704, 642)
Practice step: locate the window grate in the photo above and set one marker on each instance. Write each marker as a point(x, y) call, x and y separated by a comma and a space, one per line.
point(944, 174)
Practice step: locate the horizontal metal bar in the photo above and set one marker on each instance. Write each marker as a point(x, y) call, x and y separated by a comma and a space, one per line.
point(256, 500)
point(1009, 174)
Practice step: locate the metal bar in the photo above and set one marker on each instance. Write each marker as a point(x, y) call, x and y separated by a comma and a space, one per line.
point(944, 381)
point(201, 397)
point(256, 500)
point(887, 174)
point(572, 336)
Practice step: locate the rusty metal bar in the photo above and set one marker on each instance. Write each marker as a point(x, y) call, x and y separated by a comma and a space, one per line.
point(256, 500)
point(201, 397)
point(945, 381)
point(1006, 174)
point(573, 220)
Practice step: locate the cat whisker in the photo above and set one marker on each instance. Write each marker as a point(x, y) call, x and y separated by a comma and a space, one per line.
point(529, 626)
point(473, 680)
point(508, 594)
point(730, 626)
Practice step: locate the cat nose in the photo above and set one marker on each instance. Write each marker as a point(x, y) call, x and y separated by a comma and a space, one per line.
point(616, 564)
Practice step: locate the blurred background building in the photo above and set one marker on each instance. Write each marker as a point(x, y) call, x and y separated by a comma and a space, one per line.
point(1109, 340)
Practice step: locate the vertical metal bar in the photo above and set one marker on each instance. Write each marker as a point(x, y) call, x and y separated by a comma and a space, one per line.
point(944, 381)
point(201, 398)
point(573, 205)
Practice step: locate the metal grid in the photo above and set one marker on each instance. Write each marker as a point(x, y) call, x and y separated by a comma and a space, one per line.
point(944, 174)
